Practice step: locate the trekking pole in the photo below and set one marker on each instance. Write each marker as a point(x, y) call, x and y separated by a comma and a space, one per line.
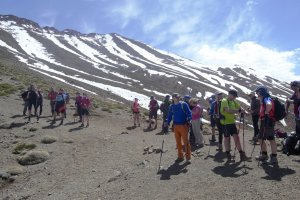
point(161, 152)
point(237, 135)
point(244, 166)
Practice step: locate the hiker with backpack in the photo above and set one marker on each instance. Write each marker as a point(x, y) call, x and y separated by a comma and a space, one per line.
point(85, 105)
point(267, 124)
point(164, 108)
point(192, 140)
point(24, 97)
point(181, 115)
point(32, 100)
point(136, 112)
point(52, 97)
point(295, 99)
point(218, 117)
point(197, 111)
point(212, 120)
point(78, 106)
point(39, 103)
point(229, 108)
point(254, 110)
point(59, 106)
point(153, 108)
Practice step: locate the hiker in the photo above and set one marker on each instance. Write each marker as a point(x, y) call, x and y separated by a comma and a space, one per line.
point(267, 124)
point(217, 118)
point(78, 106)
point(164, 108)
point(295, 99)
point(136, 112)
point(59, 106)
point(39, 103)
point(197, 111)
point(230, 107)
point(153, 107)
point(52, 97)
point(32, 100)
point(186, 99)
point(181, 115)
point(254, 110)
point(24, 97)
point(212, 120)
point(85, 105)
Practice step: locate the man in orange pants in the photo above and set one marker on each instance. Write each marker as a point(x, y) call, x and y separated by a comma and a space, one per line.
point(181, 115)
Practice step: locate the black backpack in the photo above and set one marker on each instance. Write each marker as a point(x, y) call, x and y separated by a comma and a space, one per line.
point(279, 107)
point(289, 144)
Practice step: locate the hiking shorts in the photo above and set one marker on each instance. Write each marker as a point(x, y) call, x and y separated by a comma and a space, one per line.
point(30, 104)
point(230, 130)
point(153, 114)
point(60, 107)
point(266, 132)
point(85, 111)
point(212, 121)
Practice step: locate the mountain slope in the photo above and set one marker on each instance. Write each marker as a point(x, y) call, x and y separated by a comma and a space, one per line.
point(118, 67)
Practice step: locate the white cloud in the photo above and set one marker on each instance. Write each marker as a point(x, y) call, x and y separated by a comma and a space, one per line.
point(127, 11)
point(278, 64)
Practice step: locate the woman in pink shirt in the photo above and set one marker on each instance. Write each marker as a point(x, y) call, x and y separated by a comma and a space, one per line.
point(85, 105)
point(136, 112)
point(196, 121)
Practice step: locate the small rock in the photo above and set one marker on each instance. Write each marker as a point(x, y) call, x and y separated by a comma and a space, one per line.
point(49, 194)
point(5, 175)
point(146, 148)
point(124, 133)
point(93, 170)
point(11, 179)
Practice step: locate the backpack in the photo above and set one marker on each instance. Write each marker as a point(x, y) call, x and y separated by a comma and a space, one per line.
point(279, 111)
point(289, 144)
point(67, 97)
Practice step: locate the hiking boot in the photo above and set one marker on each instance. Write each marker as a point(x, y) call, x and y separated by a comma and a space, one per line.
point(82, 125)
point(188, 162)
point(155, 127)
point(262, 157)
point(273, 160)
point(228, 156)
point(87, 125)
point(220, 147)
point(199, 146)
point(179, 160)
point(61, 122)
point(243, 156)
point(213, 138)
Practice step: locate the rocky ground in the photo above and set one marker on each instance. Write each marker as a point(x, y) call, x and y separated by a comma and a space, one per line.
point(107, 161)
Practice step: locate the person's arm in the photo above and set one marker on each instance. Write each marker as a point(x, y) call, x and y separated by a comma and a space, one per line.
point(170, 115)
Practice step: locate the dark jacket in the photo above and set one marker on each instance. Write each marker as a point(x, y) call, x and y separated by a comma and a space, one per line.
point(255, 106)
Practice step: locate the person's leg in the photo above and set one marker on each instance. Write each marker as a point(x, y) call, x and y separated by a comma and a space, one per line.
point(220, 129)
point(196, 131)
point(237, 142)
point(177, 135)
point(213, 128)
point(25, 107)
point(184, 131)
point(88, 119)
point(138, 119)
point(41, 109)
point(255, 124)
point(155, 117)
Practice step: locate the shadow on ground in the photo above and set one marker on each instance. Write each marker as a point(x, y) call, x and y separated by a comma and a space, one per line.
point(234, 170)
point(173, 170)
point(276, 173)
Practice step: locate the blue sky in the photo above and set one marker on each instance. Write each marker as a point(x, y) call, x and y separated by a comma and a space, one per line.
point(261, 34)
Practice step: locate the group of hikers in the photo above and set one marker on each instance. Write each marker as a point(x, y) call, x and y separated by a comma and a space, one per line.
point(33, 98)
point(186, 114)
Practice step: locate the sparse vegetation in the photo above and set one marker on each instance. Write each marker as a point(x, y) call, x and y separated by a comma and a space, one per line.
point(32, 129)
point(106, 110)
point(7, 89)
point(21, 147)
point(33, 157)
point(48, 140)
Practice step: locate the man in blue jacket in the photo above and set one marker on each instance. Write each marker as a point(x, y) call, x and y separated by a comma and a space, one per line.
point(181, 115)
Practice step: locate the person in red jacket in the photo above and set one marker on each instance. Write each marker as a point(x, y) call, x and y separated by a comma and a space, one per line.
point(52, 97)
point(85, 105)
point(136, 112)
point(78, 106)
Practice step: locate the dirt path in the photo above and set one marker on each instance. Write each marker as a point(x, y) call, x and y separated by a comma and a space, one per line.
point(101, 163)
